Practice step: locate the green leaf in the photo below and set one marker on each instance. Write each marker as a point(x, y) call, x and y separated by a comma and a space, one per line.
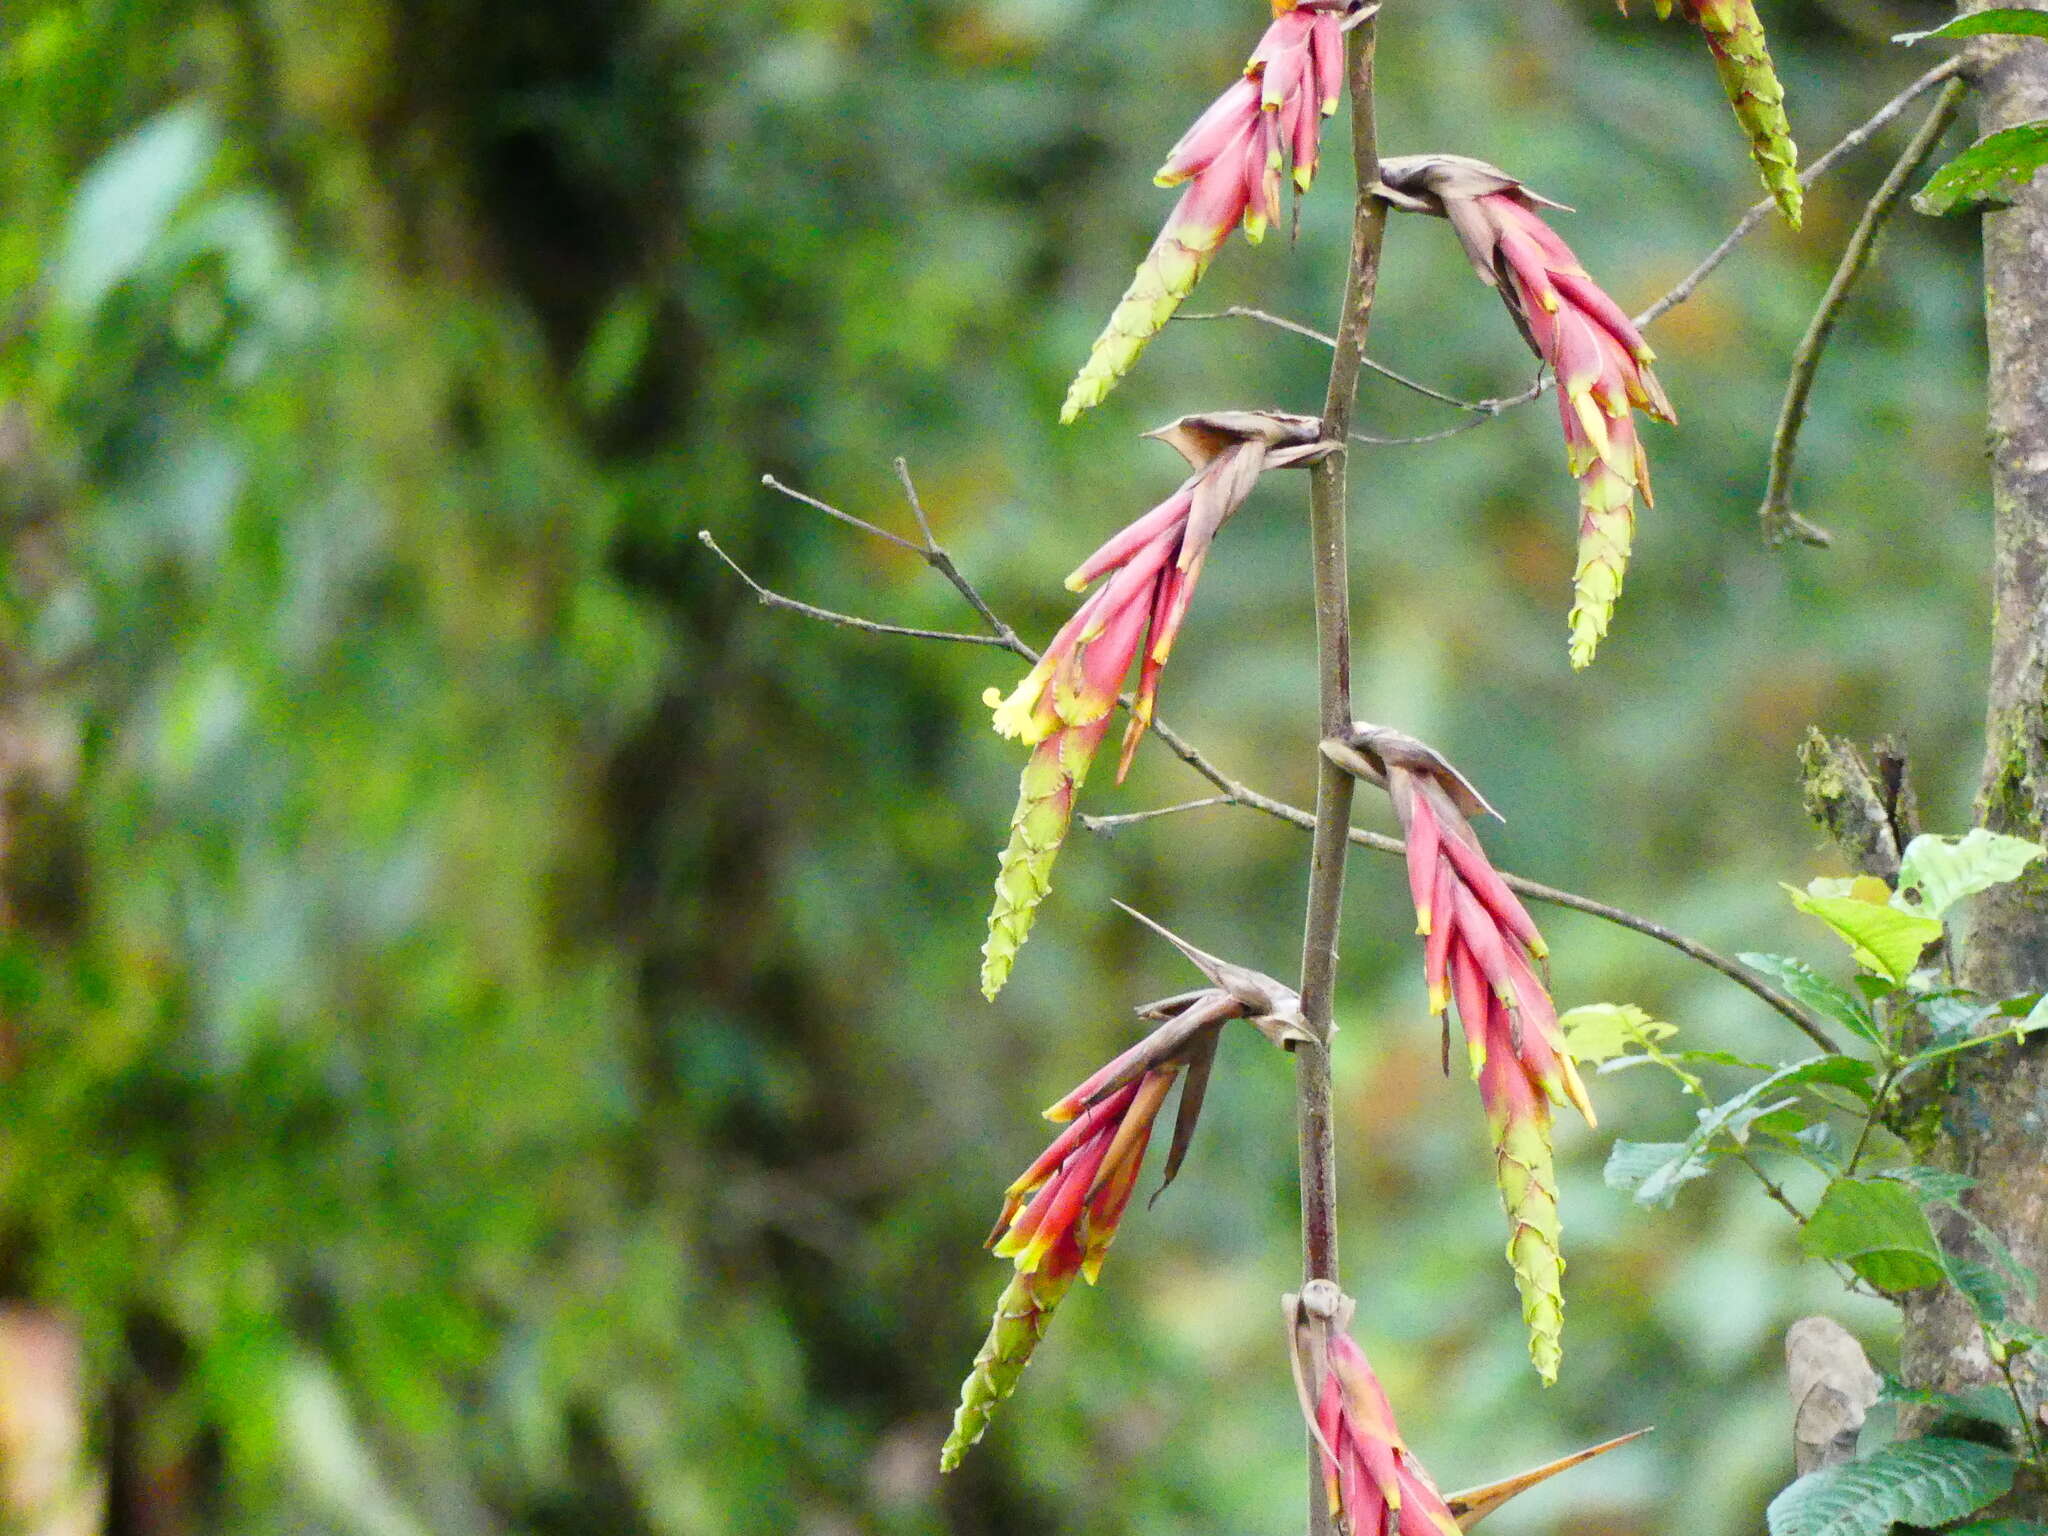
point(1935, 1185)
point(1988, 174)
point(2010, 1527)
point(1735, 1117)
point(1981, 1286)
point(1924, 1482)
point(1828, 998)
point(1597, 1031)
point(1633, 1164)
point(1882, 938)
point(1877, 1227)
point(2004, 19)
point(1938, 872)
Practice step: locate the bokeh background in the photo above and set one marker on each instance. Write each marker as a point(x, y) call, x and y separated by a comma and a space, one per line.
point(488, 1013)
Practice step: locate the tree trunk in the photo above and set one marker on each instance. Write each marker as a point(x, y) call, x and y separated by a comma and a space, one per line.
point(1990, 1119)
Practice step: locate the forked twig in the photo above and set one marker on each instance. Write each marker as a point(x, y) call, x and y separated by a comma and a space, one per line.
point(1230, 791)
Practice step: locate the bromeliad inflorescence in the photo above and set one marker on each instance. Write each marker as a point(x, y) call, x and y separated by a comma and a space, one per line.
point(1601, 361)
point(1060, 1215)
point(1062, 708)
point(1481, 953)
point(1231, 160)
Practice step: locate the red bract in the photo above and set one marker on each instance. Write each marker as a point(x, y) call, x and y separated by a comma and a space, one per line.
point(1600, 359)
point(1230, 160)
point(1062, 706)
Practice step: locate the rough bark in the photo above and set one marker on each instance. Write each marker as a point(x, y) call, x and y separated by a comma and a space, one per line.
point(1991, 1118)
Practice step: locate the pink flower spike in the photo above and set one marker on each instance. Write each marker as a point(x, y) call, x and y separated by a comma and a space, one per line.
point(1063, 703)
point(1235, 153)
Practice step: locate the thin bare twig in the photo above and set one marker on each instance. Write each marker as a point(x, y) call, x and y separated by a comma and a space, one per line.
point(848, 518)
point(1108, 826)
point(1267, 317)
point(937, 558)
point(771, 599)
point(1849, 143)
point(1778, 520)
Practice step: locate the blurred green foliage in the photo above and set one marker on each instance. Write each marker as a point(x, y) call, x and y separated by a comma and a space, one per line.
point(489, 1027)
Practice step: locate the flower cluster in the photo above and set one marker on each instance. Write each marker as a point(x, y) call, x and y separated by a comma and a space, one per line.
point(1601, 361)
point(1061, 1214)
point(1062, 707)
point(1230, 160)
point(1481, 953)
point(1743, 60)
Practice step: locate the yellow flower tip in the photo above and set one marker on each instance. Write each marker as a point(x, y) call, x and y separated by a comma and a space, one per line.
point(1477, 1051)
point(991, 697)
point(1075, 583)
point(1422, 922)
point(1538, 948)
point(1548, 300)
point(1254, 227)
point(1091, 1266)
point(1303, 175)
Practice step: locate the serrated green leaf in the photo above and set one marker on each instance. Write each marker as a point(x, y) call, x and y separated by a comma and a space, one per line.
point(1597, 1031)
point(1925, 1482)
point(2003, 19)
point(1632, 1164)
point(1828, 998)
point(1882, 938)
point(1734, 1117)
point(1937, 872)
point(1987, 175)
point(1876, 1227)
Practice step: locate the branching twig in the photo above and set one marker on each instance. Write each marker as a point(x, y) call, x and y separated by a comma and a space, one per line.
point(772, 599)
point(1237, 794)
point(1779, 521)
point(1267, 317)
point(1229, 790)
point(1849, 143)
point(1108, 825)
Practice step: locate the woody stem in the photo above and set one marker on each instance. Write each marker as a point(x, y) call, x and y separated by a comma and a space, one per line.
point(1333, 654)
